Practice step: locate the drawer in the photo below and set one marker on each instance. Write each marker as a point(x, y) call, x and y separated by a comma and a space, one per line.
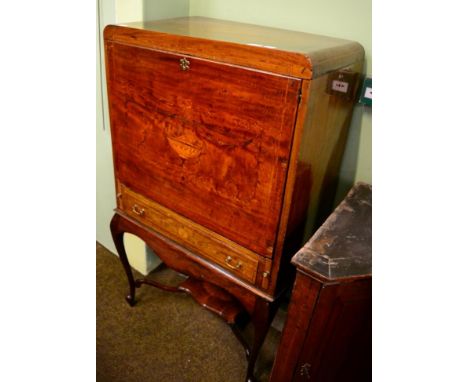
point(207, 140)
point(229, 255)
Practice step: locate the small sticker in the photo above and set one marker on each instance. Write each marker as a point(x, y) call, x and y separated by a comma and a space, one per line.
point(340, 86)
point(368, 93)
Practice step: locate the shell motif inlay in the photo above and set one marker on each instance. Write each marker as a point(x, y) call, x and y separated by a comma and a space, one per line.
point(184, 141)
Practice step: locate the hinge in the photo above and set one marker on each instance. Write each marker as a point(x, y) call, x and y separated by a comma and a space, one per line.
point(300, 95)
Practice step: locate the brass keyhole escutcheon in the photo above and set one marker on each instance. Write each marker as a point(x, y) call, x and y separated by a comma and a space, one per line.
point(184, 64)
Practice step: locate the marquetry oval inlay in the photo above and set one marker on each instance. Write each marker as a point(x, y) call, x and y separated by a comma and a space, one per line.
point(184, 141)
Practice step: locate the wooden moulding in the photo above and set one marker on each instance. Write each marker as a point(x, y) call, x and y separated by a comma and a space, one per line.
point(295, 54)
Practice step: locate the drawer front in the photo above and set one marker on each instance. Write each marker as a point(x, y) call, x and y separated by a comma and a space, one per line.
point(229, 255)
point(207, 140)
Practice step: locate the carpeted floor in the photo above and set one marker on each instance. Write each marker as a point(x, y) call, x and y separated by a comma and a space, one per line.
point(165, 336)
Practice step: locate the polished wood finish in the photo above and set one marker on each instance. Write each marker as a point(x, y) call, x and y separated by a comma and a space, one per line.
point(338, 341)
point(318, 146)
point(300, 309)
point(225, 144)
point(322, 148)
point(290, 53)
point(327, 335)
point(212, 141)
point(231, 256)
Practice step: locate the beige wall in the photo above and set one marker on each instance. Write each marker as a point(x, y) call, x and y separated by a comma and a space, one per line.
point(340, 18)
point(105, 194)
point(111, 12)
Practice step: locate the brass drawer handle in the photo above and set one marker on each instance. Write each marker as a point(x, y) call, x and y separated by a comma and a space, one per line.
point(228, 261)
point(137, 210)
point(184, 64)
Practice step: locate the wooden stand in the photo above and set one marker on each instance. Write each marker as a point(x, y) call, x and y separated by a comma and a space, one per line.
point(207, 294)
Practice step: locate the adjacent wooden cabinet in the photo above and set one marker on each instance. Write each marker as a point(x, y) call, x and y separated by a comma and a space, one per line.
point(227, 139)
point(327, 336)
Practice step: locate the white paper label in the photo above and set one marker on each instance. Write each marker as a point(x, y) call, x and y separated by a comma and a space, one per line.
point(340, 86)
point(368, 93)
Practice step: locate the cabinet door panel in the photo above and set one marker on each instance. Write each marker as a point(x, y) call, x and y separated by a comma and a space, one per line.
point(210, 142)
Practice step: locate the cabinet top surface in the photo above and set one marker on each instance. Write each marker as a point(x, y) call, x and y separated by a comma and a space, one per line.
point(320, 53)
point(342, 246)
point(240, 33)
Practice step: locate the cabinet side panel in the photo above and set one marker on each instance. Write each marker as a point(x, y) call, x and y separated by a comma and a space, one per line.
point(337, 345)
point(318, 162)
point(300, 310)
point(320, 136)
point(321, 152)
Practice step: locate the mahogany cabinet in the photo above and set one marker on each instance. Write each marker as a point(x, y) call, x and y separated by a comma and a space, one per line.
point(327, 335)
point(227, 139)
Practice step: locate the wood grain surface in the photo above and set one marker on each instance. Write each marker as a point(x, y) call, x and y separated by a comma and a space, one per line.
point(211, 143)
point(243, 263)
point(305, 294)
point(337, 346)
point(291, 53)
point(327, 335)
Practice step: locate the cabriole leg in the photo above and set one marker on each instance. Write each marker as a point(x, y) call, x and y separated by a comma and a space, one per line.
point(117, 236)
